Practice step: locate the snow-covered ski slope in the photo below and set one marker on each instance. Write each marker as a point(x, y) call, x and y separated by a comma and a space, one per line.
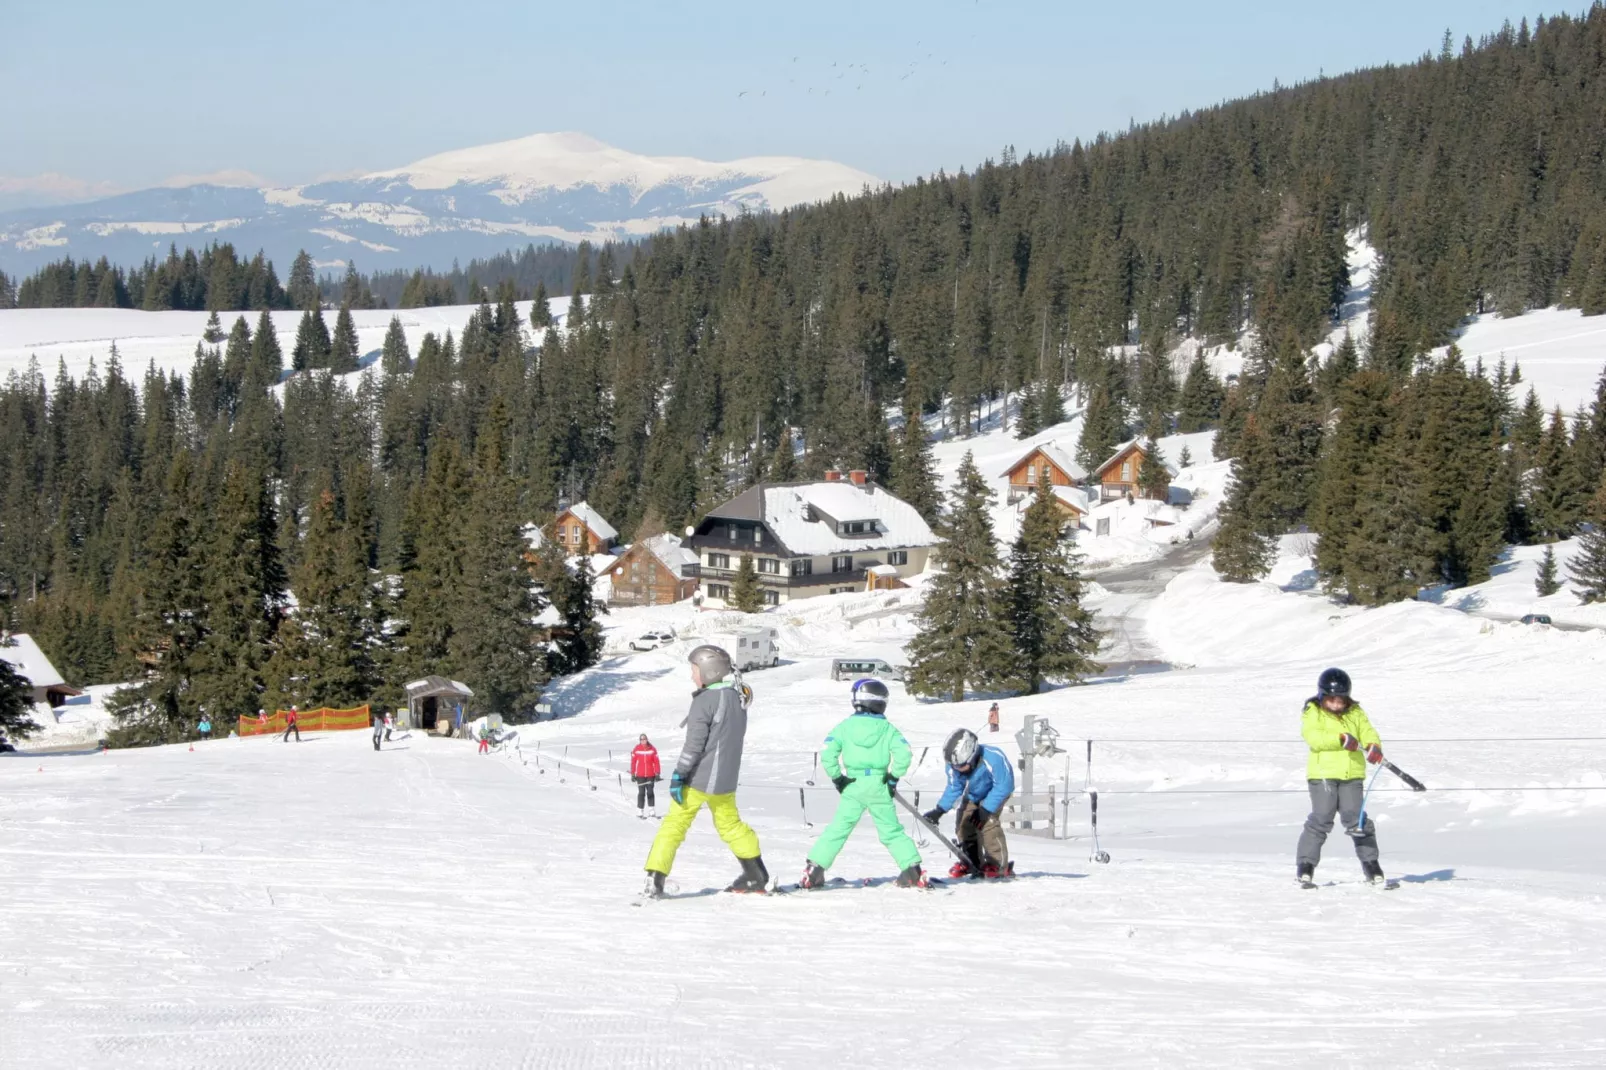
point(257, 903)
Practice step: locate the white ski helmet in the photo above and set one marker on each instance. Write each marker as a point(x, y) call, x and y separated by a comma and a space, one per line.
point(961, 747)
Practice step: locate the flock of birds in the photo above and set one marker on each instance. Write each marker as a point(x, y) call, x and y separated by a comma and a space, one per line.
point(855, 74)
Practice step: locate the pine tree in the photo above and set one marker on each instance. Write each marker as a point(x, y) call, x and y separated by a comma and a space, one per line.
point(1546, 583)
point(1240, 553)
point(1029, 419)
point(395, 358)
point(16, 695)
point(1154, 478)
point(577, 639)
point(782, 467)
point(963, 637)
point(1102, 429)
point(746, 594)
point(213, 334)
point(267, 359)
point(540, 309)
point(343, 349)
point(312, 343)
point(1199, 407)
point(1050, 405)
point(302, 287)
point(1054, 636)
point(326, 649)
point(913, 477)
point(1587, 568)
point(1185, 458)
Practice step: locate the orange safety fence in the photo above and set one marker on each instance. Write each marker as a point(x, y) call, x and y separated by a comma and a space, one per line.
point(320, 720)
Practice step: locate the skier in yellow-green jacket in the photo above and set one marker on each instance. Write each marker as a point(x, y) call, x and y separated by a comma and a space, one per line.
point(864, 756)
point(1342, 741)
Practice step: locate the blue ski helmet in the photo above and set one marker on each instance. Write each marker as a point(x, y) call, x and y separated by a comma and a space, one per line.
point(870, 696)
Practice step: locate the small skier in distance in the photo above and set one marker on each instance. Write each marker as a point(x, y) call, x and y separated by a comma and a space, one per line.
point(378, 722)
point(390, 725)
point(980, 782)
point(292, 723)
point(485, 737)
point(992, 717)
point(644, 769)
point(205, 727)
point(1342, 741)
point(865, 756)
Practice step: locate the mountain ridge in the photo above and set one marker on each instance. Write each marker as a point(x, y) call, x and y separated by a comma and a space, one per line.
point(477, 201)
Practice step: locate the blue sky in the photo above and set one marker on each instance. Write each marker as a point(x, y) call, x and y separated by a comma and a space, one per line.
point(128, 95)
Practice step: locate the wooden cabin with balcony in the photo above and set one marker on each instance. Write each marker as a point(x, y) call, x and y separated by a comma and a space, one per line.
point(1122, 475)
point(1043, 463)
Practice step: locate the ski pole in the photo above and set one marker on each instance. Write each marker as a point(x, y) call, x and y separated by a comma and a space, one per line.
point(1099, 854)
point(812, 766)
point(1360, 822)
point(803, 804)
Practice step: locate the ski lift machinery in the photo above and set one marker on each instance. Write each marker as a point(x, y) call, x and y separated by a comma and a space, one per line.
point(1039, 739)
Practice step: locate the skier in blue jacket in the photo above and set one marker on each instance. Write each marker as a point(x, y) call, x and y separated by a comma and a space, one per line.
point(980, 782)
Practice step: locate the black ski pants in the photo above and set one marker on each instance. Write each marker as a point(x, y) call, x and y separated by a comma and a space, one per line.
point(644, 794)
point(1343, 798)
point(294, 727)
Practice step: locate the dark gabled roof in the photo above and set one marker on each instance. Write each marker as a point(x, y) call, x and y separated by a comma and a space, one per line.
point(748, 505)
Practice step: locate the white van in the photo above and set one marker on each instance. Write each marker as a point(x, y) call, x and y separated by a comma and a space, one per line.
point(755, 648)
point(855, 668)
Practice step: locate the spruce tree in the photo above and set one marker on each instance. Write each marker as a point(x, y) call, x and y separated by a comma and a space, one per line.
point(16, 696)
point(267, 359)
point(1199, 407)
point(343, 348)
point(782, 467)
point(302, 287)
point(1545, 583)
point(312, 343)
point(540, 308)
point(913, 477)
point(746, 594)
point(1054, 636)
point(213, 334)
point(963, 636)
point(395, 358)
point(1029, 420)
point(1240, 553)
point(577, 639)
point(1154, 479)
point(1587, 568)
point(1050, 405)
point(1102, 429)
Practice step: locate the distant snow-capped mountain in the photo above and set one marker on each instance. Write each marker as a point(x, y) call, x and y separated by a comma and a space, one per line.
point(456, 205)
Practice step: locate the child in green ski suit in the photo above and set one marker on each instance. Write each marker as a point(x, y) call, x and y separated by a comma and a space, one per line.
point(864, 756)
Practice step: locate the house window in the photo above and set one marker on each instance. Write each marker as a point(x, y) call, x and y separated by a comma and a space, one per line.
point(856, 527)
point(772, 598)
point(803, 566)
point(842, 564)
point(1031, 474)
point(758, 536)
point(897, 557)
point(842, 590)
point(769, 565)
point(719, 560)
point(1126, 470)
point(719, 590)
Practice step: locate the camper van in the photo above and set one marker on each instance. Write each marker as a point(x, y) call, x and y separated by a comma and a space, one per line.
point(752, 648)
point(854, 668)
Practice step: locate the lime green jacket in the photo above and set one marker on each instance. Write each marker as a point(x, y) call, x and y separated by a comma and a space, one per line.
point(865, 745)
point(1328, 758)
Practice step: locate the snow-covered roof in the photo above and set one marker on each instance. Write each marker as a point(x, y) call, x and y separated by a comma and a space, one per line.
point(788, 508)
point(1141, 442)
point(26, 657)
point(437, 683)
point(592, 519)
point(884, 570)
point(534, 536)
point(1053, 451)
point(668, 550)
point(1072, 496)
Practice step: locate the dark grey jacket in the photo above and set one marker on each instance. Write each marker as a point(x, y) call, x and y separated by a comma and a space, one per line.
point(712, 755)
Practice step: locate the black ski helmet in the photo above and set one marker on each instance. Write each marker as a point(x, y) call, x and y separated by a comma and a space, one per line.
point(870, 696)
point(961, 747)
point(1333, 682)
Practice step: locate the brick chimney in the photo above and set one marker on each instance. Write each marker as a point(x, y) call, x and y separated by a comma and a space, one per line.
point(859, 476)
point(833, 476)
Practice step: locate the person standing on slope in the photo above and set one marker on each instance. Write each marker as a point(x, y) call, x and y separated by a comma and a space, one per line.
point(644, 769)
point(377, 722)
point(292, 723)
point(980, 781)
point(706, 772)
point(1342, 741)
point(865, 756)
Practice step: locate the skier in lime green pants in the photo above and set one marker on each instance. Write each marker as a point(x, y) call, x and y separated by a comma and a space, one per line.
point(864, 756)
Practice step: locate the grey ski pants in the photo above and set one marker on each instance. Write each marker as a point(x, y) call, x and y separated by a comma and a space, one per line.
point(1341, 797)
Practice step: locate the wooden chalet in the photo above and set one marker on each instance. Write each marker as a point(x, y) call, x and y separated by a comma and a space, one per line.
point(45, 684)
point(580, 529)
point(1043, 463)
point(1122, 475)
point(653, 572)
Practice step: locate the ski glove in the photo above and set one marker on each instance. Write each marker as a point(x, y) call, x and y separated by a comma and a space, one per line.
point(677, 788)
point(892, 782)
point(841, 783)
point(1348, 742)
point(933, 815)
point(1374, 754)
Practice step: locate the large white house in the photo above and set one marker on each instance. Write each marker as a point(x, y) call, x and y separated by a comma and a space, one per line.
point(807, 539)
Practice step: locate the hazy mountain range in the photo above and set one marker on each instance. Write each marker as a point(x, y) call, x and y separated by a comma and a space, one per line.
point(456, 205)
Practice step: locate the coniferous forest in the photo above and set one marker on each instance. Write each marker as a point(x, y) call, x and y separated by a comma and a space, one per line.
point(160, 528)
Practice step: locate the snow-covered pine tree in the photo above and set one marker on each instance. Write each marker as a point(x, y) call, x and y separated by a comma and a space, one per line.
point(1545, 583)
point(963, 638)
point(746, 596)
point(577, 641)
point(1588, 565)
point(1053, 634)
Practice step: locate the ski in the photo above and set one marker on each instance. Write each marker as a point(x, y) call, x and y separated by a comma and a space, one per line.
point(957, 851)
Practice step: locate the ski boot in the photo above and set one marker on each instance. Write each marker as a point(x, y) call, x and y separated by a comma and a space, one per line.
point(813, 877)
point(655, 885)
point(959, 870)
point(755, 879)
point(992, 871)
point(913, 877)
point(641, 815)
point(1372, 873)
point(1306, 876)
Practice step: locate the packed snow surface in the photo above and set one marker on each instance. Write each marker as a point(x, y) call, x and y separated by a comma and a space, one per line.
point(260, 903)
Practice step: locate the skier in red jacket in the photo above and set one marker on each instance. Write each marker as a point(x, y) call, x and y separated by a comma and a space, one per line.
point(644, 771)
point(292, 723)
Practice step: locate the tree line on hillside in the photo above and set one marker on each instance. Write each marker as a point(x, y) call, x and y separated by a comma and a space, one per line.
point(772, 347)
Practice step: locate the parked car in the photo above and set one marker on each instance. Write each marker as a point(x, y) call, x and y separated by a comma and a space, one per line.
point(652, 640)
point(854, 668)
point(1536, 618)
